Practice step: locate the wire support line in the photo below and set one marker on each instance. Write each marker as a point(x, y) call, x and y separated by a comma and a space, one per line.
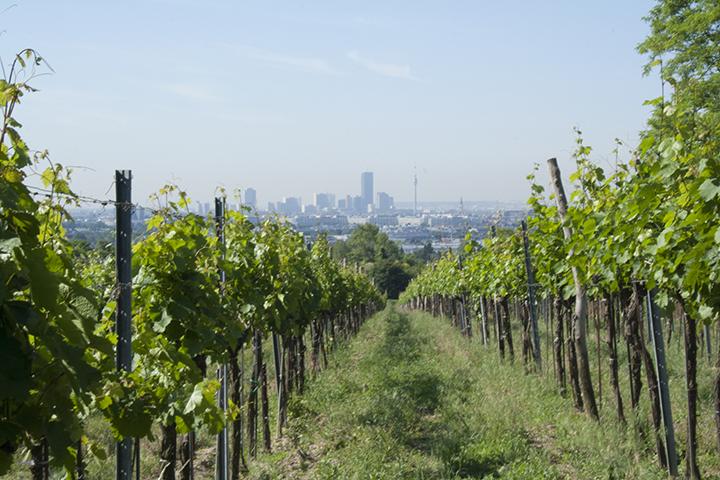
point(47, 193)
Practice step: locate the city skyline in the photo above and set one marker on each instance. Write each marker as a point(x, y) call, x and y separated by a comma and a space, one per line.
point(303, 95)
point(366, 202)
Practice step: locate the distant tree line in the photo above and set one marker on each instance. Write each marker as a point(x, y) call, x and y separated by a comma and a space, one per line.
point(382, 259)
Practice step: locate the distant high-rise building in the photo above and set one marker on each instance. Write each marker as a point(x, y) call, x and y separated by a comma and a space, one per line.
point(250, 197)
point(290, 206)
point(139, 214)
point(324, 201)
point(366, 189)
point(359, 205)
point(384, 202)
point(342, 204)
point(271, 206)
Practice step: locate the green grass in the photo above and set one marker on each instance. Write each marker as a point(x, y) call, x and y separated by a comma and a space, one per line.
point(410, 398)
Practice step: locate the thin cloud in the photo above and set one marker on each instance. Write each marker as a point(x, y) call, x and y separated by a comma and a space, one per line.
point(307, 64)
point(385, 69)
point(192, 92)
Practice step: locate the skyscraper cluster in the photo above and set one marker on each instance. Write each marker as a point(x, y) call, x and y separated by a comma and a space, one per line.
point(367, 201)
point(323, 202)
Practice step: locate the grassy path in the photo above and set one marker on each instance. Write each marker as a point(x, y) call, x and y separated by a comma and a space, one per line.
point(410, 398)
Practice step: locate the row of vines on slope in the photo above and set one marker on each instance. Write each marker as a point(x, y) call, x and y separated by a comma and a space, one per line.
point(651, 225)
point(57, 334)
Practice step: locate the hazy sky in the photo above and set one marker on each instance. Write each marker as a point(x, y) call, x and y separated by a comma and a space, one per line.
point(296, 97)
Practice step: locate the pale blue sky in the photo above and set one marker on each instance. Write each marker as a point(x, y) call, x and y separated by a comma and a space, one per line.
point(294, 97)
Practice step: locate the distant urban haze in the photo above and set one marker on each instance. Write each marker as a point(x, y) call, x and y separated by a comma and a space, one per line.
point(296, 98)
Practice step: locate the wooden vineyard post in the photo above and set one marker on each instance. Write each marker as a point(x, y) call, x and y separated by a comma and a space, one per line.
point(465, 326)
point(483, 321)
point(279, 381)
point(655, 327)
point(579, 323)
point(692, 470)
point(137, 459)
point(500, 335)
point(123, 315)
point(221, 462)
point(558, 343)
point(79, 462)
point(612, 348)
point(708, 342)
point(252, 394)
point(264, 409)
point(498, 326)
point(531, 298)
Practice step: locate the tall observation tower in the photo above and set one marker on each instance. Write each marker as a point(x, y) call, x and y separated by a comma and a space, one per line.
point(415, 210)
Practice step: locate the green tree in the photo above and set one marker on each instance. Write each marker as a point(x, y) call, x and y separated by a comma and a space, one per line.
point(381, 258)
point(425, 254)
point(391, 277)
point(681, 159)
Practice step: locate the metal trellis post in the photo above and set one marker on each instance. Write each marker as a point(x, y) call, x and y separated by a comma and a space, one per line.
point(531, 297)
point(123, 314)
point(221, 464)
point(655, 327)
